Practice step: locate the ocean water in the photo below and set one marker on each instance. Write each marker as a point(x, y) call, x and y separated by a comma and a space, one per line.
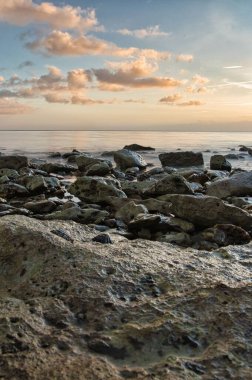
point(40, 143)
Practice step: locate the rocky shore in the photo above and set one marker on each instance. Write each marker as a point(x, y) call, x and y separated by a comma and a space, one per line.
point(113, 269)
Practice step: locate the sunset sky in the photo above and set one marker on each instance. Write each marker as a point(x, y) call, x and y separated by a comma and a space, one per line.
point(114, 64)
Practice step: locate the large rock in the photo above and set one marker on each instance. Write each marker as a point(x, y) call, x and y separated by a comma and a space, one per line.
point(224, 234)
point(13, 162)
point(56, 167)
point(239, 184)
point(170, 184)
point(137, 147)
point(127, 159)
point(10, 190)
point(219, 162)
point(77, 214)
point(96, 189)
point(84, 162)
point(100, 169)
point(129, 211)
point(181, 159)
point(206, 211)
point(71, 308)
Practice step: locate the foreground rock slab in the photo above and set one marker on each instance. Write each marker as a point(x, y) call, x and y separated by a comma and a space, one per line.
point(72, 308)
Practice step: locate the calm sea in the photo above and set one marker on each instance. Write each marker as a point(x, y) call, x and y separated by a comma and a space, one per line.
point(40, 143)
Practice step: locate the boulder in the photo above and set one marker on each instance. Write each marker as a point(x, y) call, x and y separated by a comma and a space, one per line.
point(239, 184)
point(219, 162)
point(11, 173)
point(137, 147)
point(132, 188)
point(85, 161)
point(71, 308)
point(127, 159)
point(170, 184)
point(99, 169)
point(206, 211)
point(96, 189)
point(77, 214)
point(10, 190)
point(180, 238)
point(224, 234)
point(55, 167)
point(36, 184)
point(40, 207)
point(129, 211)
point(13, 162)
point(181, 159)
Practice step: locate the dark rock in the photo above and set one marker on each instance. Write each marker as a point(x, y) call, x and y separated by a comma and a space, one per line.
point(13, 162)
point(127, 159)
point(54, 167)
point(137, 147)
point(103, 239)
point(181, 159)
point(219, 162)
point(170, 184)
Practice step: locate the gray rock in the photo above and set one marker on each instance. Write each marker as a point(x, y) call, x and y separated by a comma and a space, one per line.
point(11, 173)
point(55, 167)
point(85, 161)
point(135, 187)
point(130, 211)
point(181, 159)
point(13, 162)
point(180, 238)
point(239, 184)
point(99, 169)
point(77, 214)
point(4, 179)
point(206, 211)
point(219, 162)
point(40, 207)
point(127, 159)
point(96, 189)
point(11, 190)
point(170, 184)
point(224, 234)
point(36, 184)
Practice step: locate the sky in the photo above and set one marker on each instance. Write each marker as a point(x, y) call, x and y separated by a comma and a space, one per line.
point(126, 65)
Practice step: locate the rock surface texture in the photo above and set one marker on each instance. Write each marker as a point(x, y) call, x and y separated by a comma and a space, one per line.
point(76, 309)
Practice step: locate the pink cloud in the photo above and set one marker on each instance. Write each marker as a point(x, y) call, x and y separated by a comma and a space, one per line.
point(184, 58)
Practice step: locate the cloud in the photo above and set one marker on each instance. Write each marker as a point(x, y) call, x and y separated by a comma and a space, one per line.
point(79, 100)
point(1, 79)
point(56, 98)
point(171, 99)
point(137, 73)
point(190, 103)
point(151, 31)
point(196, 90)
point(77, 79)
point(184, 58)
point(198, 79)
point(25, 64)
point(232, 67)
point(12, 107)
point(60, 43)
point(25, 12)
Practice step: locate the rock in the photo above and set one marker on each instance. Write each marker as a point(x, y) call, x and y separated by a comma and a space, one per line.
point(181, 159)
point(219, 162)
point(13, 162)
point(152, 173)
point(41, 207)
point(94, 311)
point(11, 173)
point(55, 167)
point(10, 190)
point(206, 211)
point(4, 179)
point(243, 148)
point(239, 184)
point(127, 159)
point(132, 171)
point(85, 161)
point(180, 238)
point(130, 211)
point(137, 147)
point(103, 239)
point(99, 169)
point(132, 188)
point(77, 214)
point(170, 184)
point(96, 189)
point(224, 234)
point(232, 156)
point(55, 155)
point(36, 184)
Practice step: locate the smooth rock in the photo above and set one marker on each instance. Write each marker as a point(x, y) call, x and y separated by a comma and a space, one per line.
point(127, 159)
point(130, 211)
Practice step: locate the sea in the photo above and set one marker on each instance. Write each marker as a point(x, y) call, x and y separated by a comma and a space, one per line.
point(39, 144)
